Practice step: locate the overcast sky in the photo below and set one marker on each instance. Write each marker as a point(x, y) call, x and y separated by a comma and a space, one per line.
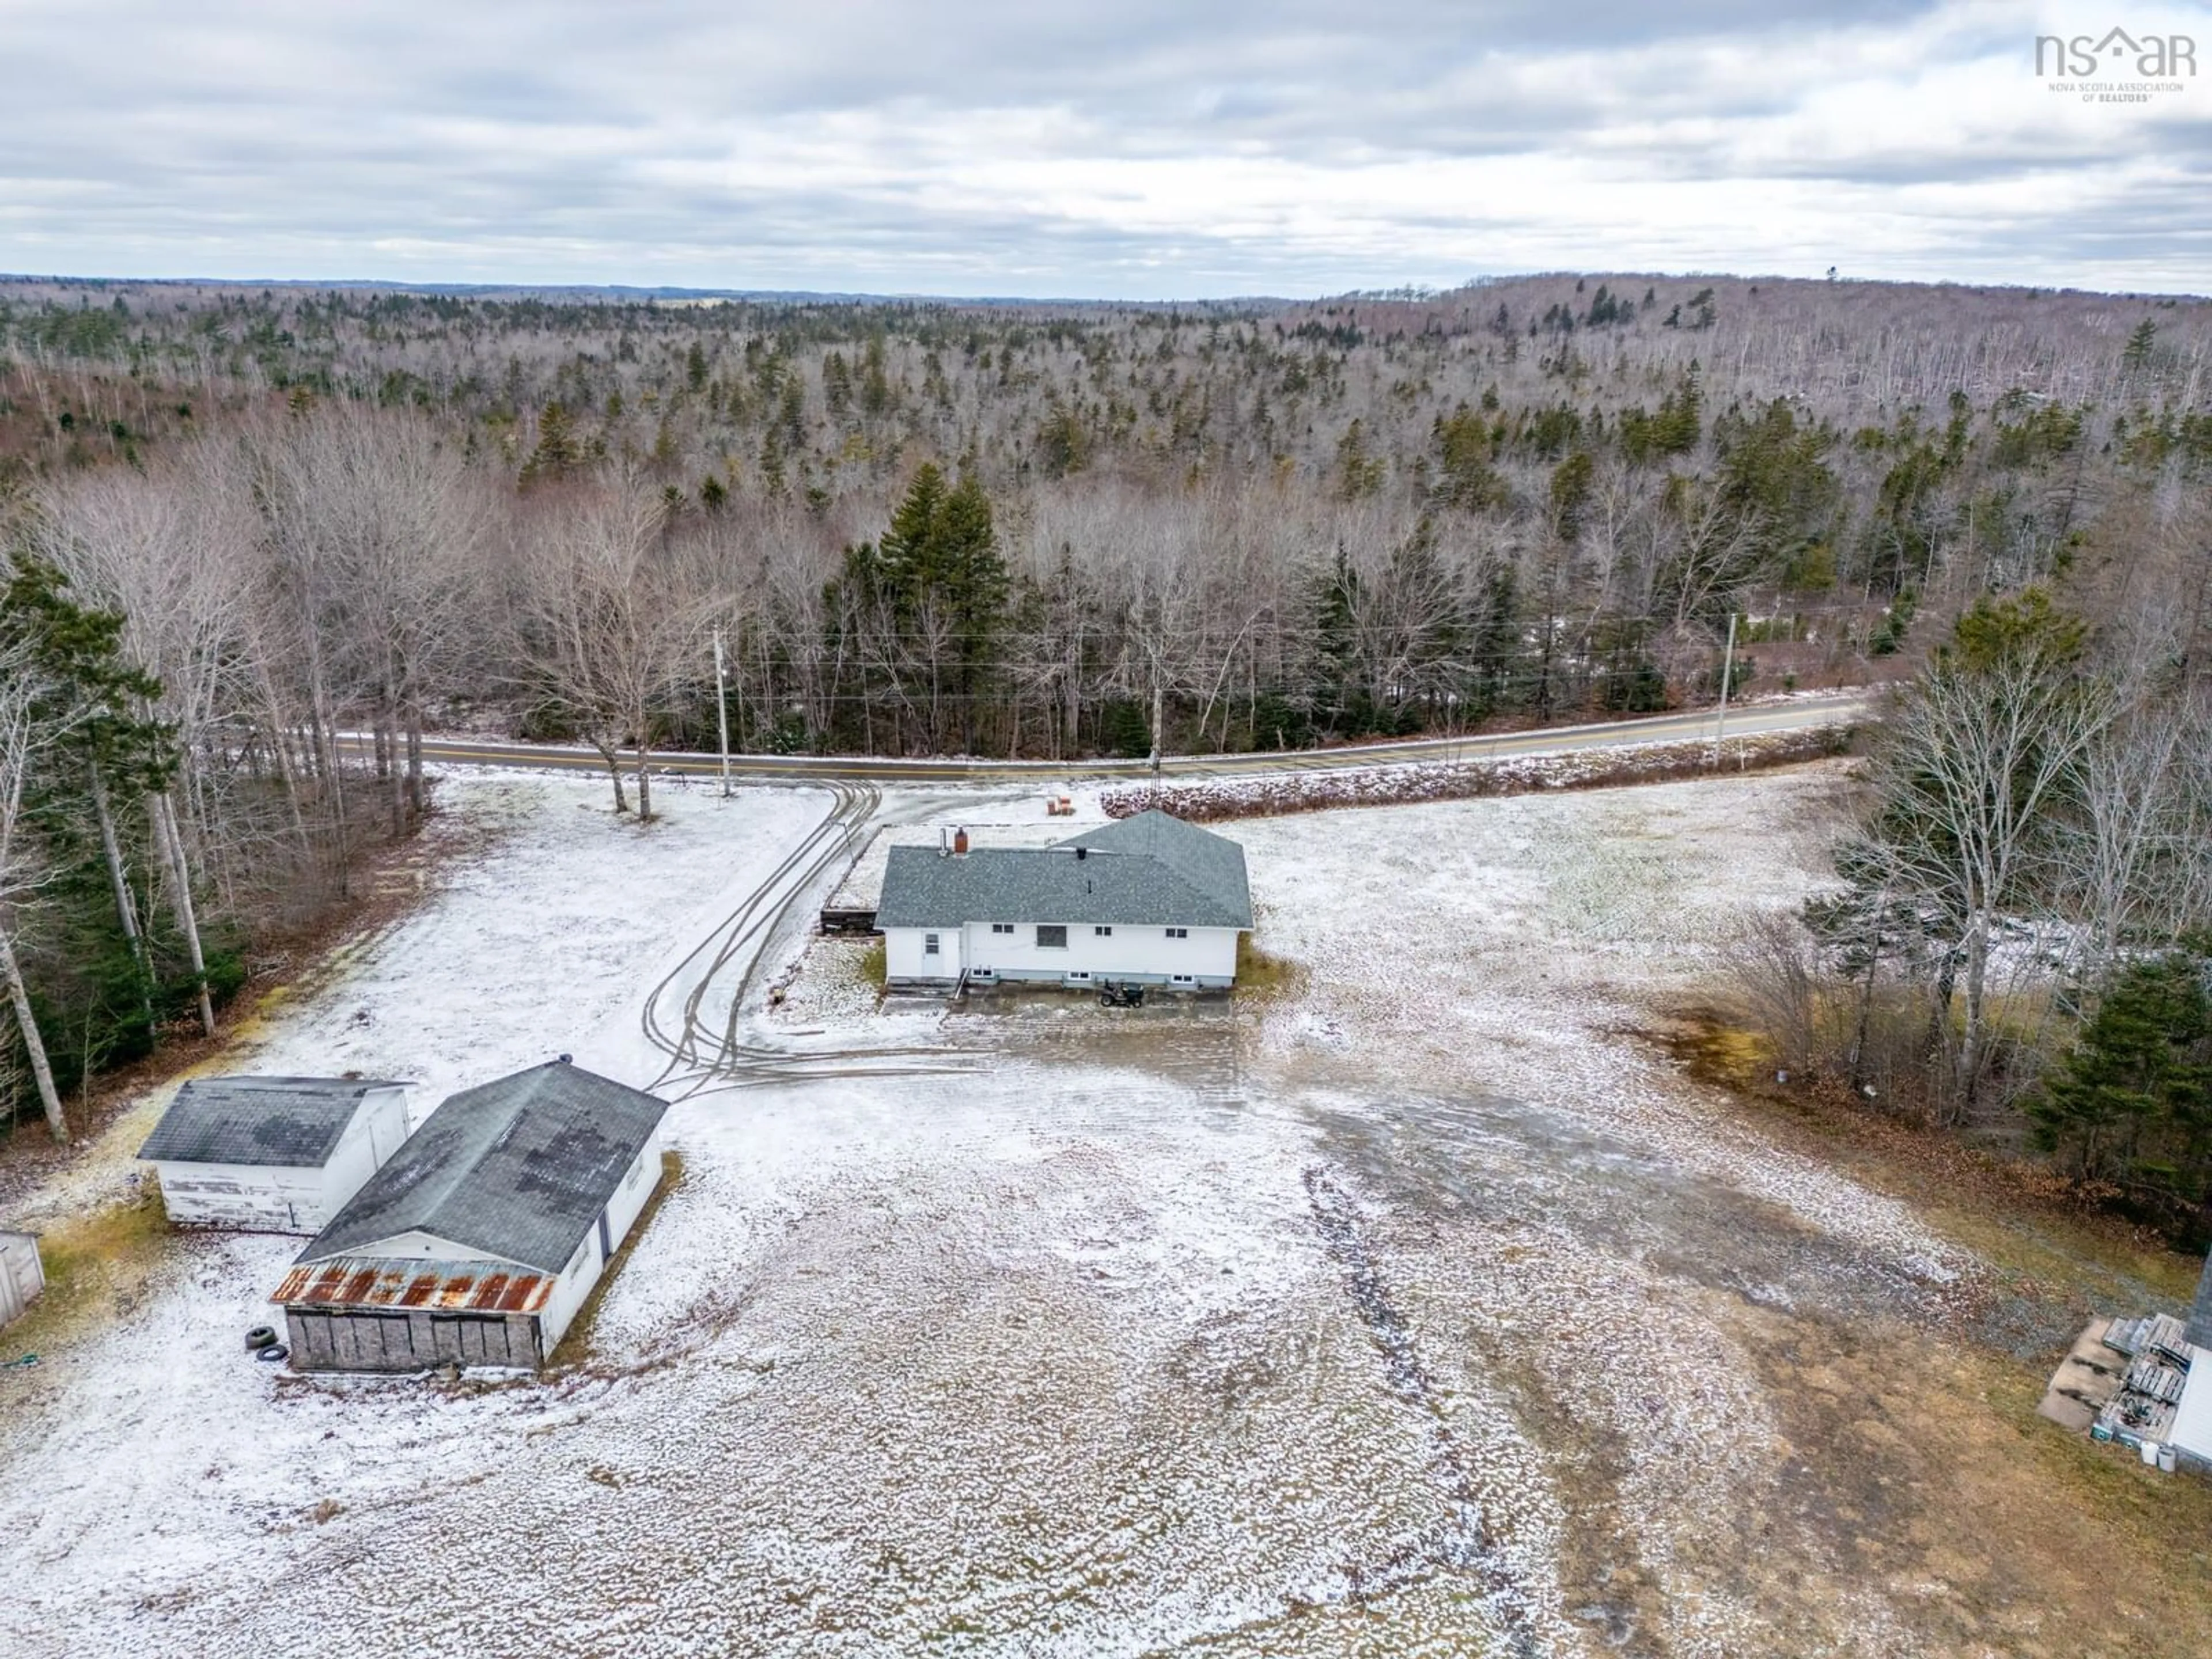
point(1143, 149)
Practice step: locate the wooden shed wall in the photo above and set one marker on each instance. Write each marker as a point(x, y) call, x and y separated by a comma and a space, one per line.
point(342, 1339)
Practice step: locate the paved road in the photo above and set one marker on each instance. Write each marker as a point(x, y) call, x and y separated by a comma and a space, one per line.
point(809, 769)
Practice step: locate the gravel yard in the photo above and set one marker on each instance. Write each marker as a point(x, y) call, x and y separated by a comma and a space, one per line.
point(1415, 1307)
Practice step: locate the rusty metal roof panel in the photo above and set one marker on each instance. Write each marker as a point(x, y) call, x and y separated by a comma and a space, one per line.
point(432, 1286)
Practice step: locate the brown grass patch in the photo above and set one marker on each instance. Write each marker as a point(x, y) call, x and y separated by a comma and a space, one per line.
point(2018, 1215)
point(1922, 1467)
point(1262, 976)
point(96, 1264)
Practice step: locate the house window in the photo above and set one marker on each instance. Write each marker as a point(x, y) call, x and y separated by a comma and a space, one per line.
point(1178, 932)
point(1051, 938)
point(1002, 926)
point(929, 945)
point(1104, 932)
point(1182, 979)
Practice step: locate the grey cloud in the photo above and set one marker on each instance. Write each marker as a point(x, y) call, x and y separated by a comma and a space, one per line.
point(846, 145)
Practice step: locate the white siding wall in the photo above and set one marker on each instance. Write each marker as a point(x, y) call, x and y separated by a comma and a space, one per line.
point(589, 1263)
point(638, 1184)
point(425, 1247)
point(23, 1275)
point(569, 1290)
point(258, 1197)
point(1209, 955)
point(906, 955)
point(376, 1132)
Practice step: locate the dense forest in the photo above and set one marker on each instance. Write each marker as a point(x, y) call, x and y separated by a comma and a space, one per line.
point(239, 522)
point(1295, 523)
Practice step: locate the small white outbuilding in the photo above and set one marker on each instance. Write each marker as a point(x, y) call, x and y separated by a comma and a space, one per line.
point(22, 1275)
point(272, 1154)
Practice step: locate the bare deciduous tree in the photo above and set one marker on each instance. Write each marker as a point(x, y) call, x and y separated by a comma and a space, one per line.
point(1975, 769)
point(612, 616)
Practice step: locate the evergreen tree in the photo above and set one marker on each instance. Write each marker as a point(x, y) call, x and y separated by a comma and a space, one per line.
point(1496, 646)
point(836, 382)
point(1335, 647)
point(108, 988)
point(875, 382)
point(2132, 1103)
point(1571, 482)
point(557, 450)
point(941, 567)
point(1358, 472)
point(1465, 477)
point(2136, 354)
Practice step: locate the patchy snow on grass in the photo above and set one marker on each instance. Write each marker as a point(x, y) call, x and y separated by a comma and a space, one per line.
point(1402, 1314)
point(1504, 938)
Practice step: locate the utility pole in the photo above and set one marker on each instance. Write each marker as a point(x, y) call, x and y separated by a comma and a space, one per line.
point(1727, 669)
point(722, 709)
point(1156, 742)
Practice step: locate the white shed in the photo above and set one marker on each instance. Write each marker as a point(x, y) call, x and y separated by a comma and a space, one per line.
point(272, 1154)
point(1150, 899)
point(22, 1275)
point(477, 1244)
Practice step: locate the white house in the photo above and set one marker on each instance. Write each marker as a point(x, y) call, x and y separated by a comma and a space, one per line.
point(1149, 899)
point(478, 1243)
point(272, 1154)
point(2191, 1430)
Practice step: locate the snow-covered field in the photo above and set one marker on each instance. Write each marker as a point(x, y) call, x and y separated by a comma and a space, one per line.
point(1403, 1311)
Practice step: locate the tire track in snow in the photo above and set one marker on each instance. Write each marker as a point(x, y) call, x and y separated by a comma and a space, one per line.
point(1465, 1543)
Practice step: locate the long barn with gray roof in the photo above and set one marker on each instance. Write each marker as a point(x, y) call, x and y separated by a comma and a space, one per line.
point(479, 1242)
point(1149, 899)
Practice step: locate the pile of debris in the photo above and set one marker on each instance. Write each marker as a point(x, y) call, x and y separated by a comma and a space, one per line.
point(2143, 1406)
point(1335, 784)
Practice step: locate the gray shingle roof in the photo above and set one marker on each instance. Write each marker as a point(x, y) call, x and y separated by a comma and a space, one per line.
point(2199, 1312)
point(1150, 870)
point(292, 1123)
point(518, 1169)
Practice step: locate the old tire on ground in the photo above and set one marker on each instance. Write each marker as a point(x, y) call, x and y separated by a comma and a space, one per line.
point(273, 1354)
point(260, 1337)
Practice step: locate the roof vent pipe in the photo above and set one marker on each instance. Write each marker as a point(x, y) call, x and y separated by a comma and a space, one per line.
point(567, 1060)
point(1081, 853)
point(960, 843)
